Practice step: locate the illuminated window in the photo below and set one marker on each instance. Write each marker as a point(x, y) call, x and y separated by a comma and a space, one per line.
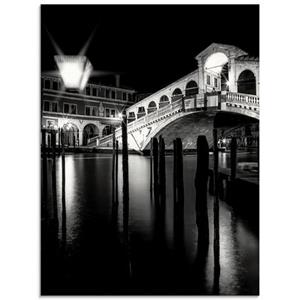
point(208, 79)
point(113, 113)
point(216, 82)
point(107, 112)
point(94, 111)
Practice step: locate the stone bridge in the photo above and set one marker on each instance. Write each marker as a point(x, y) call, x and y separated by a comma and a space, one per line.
point(226, 79)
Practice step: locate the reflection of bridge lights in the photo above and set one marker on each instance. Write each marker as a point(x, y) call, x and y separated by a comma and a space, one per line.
point(74, 70)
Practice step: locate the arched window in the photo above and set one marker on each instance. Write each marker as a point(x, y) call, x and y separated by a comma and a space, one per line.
point(191, 88)
point(177, 94)
point(163, 101)
point(152, 107)
point(131, 116)
point(247, 83)
point(107, 130)
point(89, 131)
point(141, 112)
point(71, 134)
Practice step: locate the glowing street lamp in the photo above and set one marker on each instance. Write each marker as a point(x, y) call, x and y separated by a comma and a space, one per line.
point(74, 70)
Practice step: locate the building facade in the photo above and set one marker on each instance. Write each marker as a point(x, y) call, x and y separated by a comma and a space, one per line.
point(82, 115)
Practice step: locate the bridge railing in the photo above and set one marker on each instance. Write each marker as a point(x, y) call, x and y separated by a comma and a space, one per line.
point(242, 98)
point(172, 107)
point(177, 105)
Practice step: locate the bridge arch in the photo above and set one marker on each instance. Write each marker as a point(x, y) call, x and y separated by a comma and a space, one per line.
point(151, 107)
point(177, 94)
point(246, 82)
point(163, 101)
point(89, 131)
point(191, 88)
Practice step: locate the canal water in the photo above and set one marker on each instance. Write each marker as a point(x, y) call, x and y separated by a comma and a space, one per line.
point(93, 254)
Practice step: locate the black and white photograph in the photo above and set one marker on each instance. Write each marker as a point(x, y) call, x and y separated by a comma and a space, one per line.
point(149, 150)
point(136, 157)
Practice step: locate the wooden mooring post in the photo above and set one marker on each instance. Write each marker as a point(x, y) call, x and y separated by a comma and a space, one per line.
point(201, 179)
point(125, 175)
point(233, 158)
point(178, 196)
point(117, 171)
point(151, 165)
point(44, 177)
point(113, 164)
point(63, 179)
point(162, 170)
point(54, 192)
point(155, 169)
point(216, 210)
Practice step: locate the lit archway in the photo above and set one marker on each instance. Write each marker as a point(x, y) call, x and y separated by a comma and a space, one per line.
point(107, 130)
point(191, 88)
point(71, 134)
point(89, 131)
point(215, 72)
point(247, 83)
point(151, 107)
point(163, 101)
point(215, 62)
point(177, 94)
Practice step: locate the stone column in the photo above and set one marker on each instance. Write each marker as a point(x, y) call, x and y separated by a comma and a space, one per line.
point(80, 136)
point(201, 81)
point(232, 75)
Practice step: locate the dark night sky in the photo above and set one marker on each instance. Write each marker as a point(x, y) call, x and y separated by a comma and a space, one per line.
point(151, 45)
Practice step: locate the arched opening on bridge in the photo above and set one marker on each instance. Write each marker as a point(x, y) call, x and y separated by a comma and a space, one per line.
point(71, 134)
point(191, 88)
point(215, 74)
point(141, 112)
point(163, 101)
point(247, 83)
point(89, 131)
point(131, 116)
point(107, 130)
point(151, 107)
point(224, 78)
point(177, 94)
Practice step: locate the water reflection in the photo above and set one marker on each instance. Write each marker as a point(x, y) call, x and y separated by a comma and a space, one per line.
point(90, 218)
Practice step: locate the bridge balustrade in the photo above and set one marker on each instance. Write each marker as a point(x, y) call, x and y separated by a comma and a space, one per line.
point(242, 98)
